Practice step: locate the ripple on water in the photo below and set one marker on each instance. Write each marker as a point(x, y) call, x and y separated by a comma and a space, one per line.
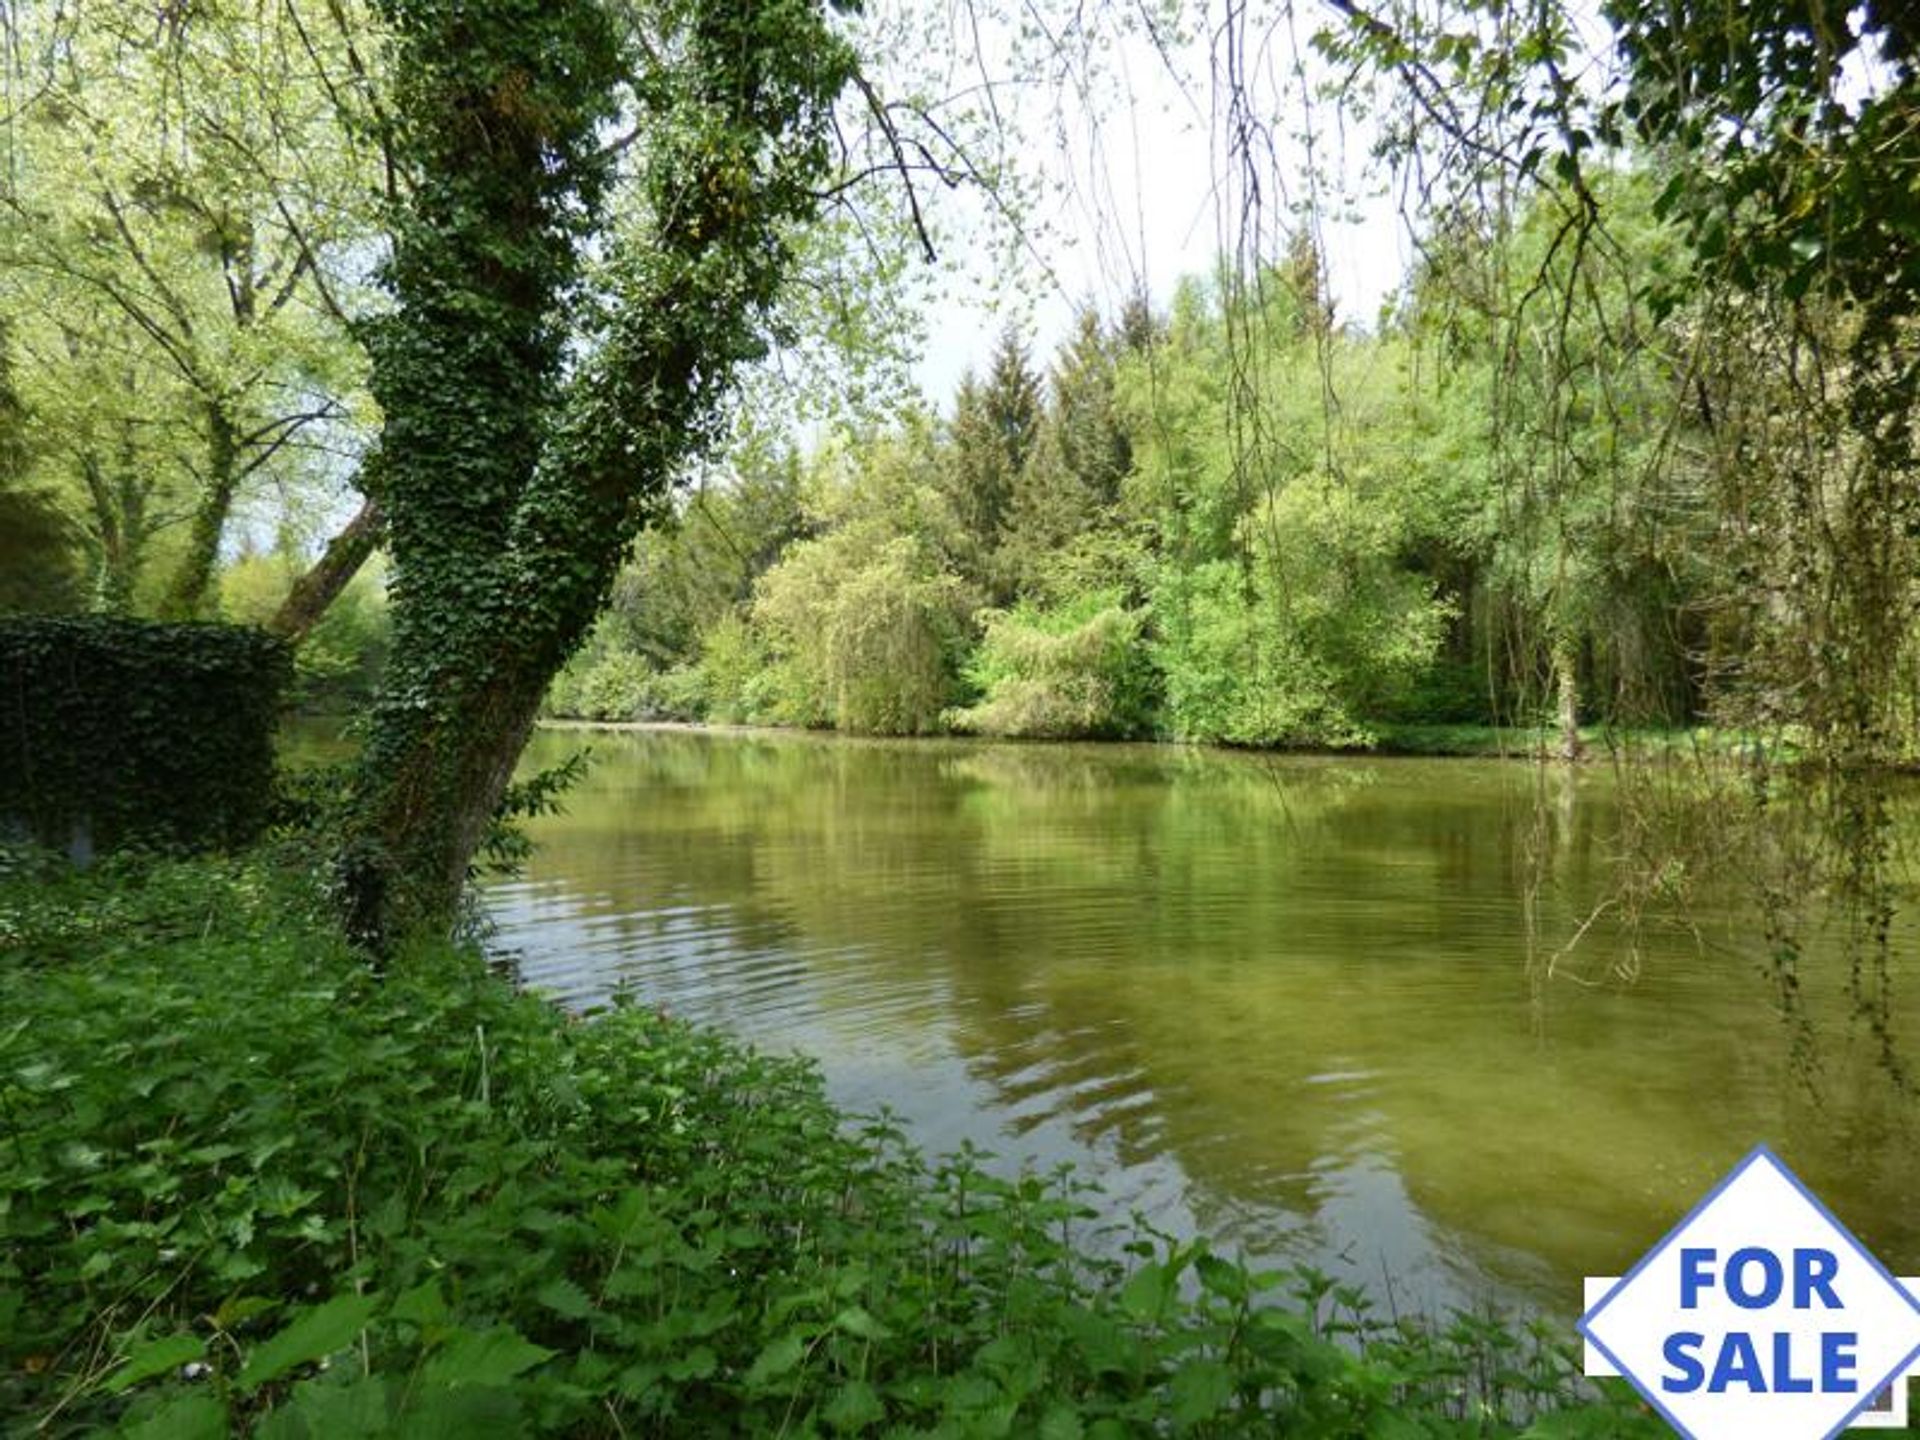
point(1292, 1002)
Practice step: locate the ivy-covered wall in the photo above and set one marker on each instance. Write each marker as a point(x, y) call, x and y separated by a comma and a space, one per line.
point(120, 731)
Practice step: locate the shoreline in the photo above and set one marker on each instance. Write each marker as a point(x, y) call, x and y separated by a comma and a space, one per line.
point(1398, 742)
point(662, 1182)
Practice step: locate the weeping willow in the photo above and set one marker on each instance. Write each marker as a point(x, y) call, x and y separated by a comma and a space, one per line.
point(1674, 236)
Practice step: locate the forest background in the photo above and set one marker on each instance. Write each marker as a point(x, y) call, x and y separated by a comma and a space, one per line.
point(1234, 515)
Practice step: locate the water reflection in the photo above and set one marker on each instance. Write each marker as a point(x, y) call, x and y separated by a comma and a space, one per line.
point(1287, 1001)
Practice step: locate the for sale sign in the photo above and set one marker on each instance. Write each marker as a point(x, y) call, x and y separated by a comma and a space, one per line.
point(1759, 1316)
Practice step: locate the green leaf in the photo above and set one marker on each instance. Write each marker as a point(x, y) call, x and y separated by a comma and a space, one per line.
point(1590, 1423)
point(462, 1414)
point(777, 1359)
point(187, 1417)
point(695, 1364)
point(1061, 1422)
point(486, 1357)
point(855, 1320)
point(563, 1297)
point(855, 1408)
point(1199, 1389)
point(1222, 1277)
point(240, 1309)
point(155, 1359)
point(320, 1411)
point(423, 1305)
point(1147, 1292)
point(1392, 1425)
point(314, 1333)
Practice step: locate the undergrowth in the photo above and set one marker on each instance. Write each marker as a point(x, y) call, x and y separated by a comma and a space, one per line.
point(248, 1186)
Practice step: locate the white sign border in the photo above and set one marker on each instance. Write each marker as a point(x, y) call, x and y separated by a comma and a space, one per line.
point(1761, 1153)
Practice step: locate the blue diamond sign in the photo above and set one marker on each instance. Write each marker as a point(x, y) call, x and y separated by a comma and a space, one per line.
point(1759, 1316)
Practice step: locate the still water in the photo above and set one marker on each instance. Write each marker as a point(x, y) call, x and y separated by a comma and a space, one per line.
point(1299, 1004)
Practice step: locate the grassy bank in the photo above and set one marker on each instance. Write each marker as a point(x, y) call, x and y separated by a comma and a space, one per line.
point(248, 1186)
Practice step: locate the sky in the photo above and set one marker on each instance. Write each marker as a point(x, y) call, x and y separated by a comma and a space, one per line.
point(1137, 190)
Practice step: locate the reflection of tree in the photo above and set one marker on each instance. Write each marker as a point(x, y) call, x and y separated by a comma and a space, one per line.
point(1281, 973)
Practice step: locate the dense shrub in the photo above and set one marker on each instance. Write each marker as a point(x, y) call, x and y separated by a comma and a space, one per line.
point(618, 685)
point(1315, 633)
point(250, 1186)
point(1078, 671)
point(736, 683)
point(138, 732)
point(865, 631)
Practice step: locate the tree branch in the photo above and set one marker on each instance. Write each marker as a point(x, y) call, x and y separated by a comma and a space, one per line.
point(316, 590)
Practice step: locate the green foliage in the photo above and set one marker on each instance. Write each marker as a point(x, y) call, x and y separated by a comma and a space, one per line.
point(1079, 671)
point(1285, 607)
point(180, 253)
point(996, 423)
point(865, 629)
point(692, 569)
point(40, 570)
point(610, 684)
point(1302, 644)
point(339, 663)
point(1321, 530)
point(40, 563)
point(1788, 120)
point(250, 1187)
point(736, 676)
point(141, 733)
point(1076, 466)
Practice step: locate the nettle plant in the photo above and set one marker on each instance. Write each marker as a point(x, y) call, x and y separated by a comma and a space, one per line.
point(250, 1188)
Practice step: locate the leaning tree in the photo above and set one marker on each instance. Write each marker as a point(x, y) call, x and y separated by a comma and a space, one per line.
point(601, 203)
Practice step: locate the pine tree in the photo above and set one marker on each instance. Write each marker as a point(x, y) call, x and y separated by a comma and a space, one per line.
point(996, 425)
point(1079, 460)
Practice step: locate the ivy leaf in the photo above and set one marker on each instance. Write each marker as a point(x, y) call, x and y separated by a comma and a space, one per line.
point(314, 1333)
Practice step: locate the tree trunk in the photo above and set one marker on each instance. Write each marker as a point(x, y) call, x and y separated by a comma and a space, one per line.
point(1567, 698)
point(440, 783)
point(314, 591)
point(118, 501)
point(187, 598)
point(514, 473)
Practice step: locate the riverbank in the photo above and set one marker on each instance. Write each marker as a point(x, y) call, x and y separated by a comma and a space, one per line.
point(251, 1185)
point(1464, 742)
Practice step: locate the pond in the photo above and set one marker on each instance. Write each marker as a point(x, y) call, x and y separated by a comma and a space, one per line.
point(1303, 1005)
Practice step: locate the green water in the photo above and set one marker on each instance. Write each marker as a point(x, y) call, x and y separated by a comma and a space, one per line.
point(1295, 1003)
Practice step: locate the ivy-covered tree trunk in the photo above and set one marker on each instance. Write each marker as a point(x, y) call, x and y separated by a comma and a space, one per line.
point(189, 593)
point(537, 408)
point(119, 532)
